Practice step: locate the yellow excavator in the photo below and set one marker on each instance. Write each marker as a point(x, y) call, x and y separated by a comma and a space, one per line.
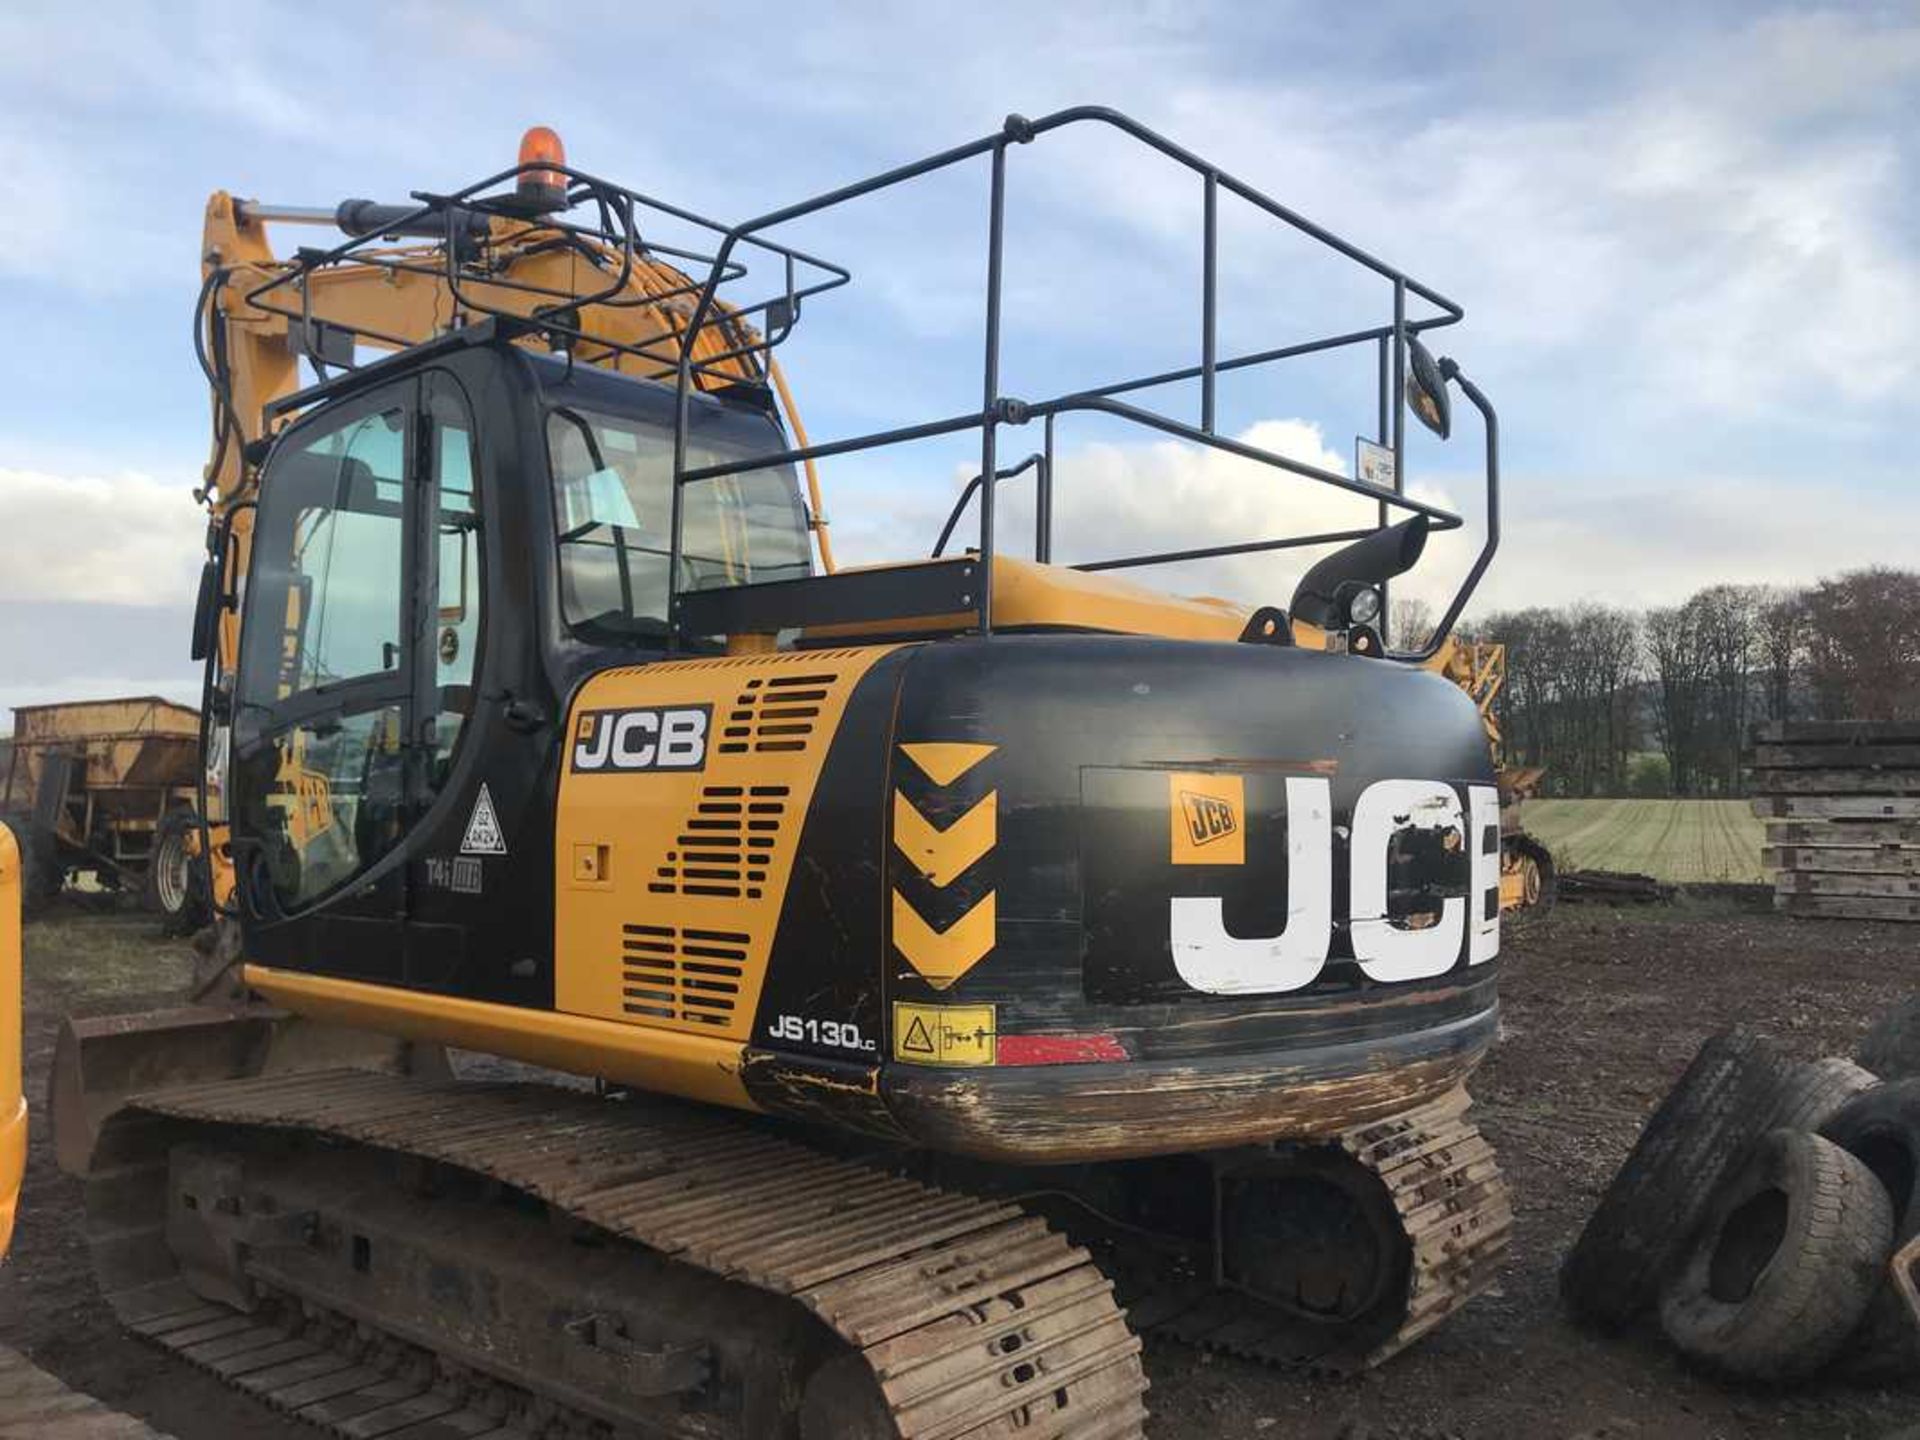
point(13, 1104)
point(681, 986)
point(1528, 878)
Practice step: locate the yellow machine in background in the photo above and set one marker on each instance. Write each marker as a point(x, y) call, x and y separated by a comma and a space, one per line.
point(1527, 873)
point(13, 1105)
point(108, 787)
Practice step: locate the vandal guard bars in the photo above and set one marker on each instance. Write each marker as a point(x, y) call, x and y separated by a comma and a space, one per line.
point(997, 410)
point(462, 221)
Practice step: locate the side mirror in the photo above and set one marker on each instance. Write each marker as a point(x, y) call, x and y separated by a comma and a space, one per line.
point(1427, 389)
point(206, 609)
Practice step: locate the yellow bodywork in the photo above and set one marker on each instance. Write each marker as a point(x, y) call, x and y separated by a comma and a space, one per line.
point(1479, 667)
point(670, 882)
point(661, 946)
point(1032, 596)
point(13, 1105)
point(699, 1067)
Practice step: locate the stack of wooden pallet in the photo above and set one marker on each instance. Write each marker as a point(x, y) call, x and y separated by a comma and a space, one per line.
point(1841, 800)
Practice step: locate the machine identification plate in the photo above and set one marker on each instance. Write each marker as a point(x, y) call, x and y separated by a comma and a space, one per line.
point(943, 1034)
point(1373, 463)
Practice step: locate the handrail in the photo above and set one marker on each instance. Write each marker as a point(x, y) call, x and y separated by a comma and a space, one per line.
point(997, 409)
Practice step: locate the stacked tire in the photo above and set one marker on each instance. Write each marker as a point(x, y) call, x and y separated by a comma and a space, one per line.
point(1759, 1209)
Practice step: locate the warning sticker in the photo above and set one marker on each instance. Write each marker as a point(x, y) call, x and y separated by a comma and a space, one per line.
point(483, 835)
point(943, 1034)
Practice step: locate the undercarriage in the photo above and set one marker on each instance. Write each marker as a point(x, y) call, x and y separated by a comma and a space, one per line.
point(389, 1255)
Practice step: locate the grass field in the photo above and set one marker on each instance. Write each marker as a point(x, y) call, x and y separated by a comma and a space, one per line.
point(1685, 841)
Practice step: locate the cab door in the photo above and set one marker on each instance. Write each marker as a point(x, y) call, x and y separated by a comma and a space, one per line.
point(326, 714)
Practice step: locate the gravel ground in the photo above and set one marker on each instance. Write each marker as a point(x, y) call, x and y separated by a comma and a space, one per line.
point(1602, 1011)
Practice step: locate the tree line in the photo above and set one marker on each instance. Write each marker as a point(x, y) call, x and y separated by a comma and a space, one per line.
point(1616, 702)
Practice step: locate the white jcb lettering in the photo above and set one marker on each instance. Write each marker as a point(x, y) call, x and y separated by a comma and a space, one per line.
point(1386, 951)
point(633, 736)
point(590, 752)
point(1425, 811)
point(683, 739)
point(1483, 923)
point(616, 741)
point(1211, 960)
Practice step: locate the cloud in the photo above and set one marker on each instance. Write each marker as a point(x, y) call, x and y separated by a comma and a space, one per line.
point(1113, 500)
point(59, 650)
point(1623, 540)
point(127, 538)
point(1638, 542)
point(1685, 239)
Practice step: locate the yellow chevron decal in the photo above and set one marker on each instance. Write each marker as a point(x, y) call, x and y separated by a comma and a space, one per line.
point(945, 761)
point(943, 855)
point(943, 956)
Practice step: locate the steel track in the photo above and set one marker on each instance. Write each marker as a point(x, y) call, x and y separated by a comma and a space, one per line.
point(974, 1318)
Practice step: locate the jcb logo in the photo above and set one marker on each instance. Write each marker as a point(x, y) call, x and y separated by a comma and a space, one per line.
point(1209, 818)
point(1388, 815)
point(628, 740)
point(1206, 813)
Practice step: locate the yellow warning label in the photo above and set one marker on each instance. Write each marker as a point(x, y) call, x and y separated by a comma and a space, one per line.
point(1209, 819)
point(943, 1034)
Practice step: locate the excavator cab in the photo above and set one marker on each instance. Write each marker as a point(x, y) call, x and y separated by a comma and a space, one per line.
point(442, 547)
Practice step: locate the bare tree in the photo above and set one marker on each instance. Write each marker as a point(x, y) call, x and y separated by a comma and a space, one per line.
point(1579, 678)
point(1675, 649)
point(1863, 640)
point(1569, 699)
point(1728, 620)
point(1409, 622)
point(1783, 649)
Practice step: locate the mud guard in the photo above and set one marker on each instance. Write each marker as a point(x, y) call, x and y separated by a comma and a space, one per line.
point(100, 1064)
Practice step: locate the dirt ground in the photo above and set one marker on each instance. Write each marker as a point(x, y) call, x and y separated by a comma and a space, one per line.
point(1602, 1011)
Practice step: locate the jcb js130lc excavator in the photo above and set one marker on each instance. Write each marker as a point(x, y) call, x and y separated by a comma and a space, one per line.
point(960, 950)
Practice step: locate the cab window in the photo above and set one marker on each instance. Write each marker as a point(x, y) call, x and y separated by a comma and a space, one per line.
point(321, 724)
point(612, 497)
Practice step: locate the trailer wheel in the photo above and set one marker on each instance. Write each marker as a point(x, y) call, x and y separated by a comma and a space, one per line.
point(1891, 1048)
point(176, 879)
point(1651, 1210)
point(41, 876)
point(1792, 1253)
point(1881, 1129)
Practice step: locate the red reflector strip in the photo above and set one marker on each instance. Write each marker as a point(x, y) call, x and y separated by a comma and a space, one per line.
point(1058, 1049)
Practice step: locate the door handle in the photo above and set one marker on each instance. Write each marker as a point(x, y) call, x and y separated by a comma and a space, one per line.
point(524, 716)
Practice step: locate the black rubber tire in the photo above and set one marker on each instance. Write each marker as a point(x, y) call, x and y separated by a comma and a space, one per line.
point(1891, 1047)
point(1786, 1264)
point(177, 895)
point(41, 878)
point(1812, 1092)
point(1881, 1129)
point(1651, 1210)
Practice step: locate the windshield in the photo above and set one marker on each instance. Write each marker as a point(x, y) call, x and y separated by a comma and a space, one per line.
point(612, 483)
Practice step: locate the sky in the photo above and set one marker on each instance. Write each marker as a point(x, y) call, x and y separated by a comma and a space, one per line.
point(1687, 239)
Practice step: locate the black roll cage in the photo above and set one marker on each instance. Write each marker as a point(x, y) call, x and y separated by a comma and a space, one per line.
point(614, 242)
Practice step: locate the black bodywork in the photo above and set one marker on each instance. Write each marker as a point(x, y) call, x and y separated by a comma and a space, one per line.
point(1087, 729)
